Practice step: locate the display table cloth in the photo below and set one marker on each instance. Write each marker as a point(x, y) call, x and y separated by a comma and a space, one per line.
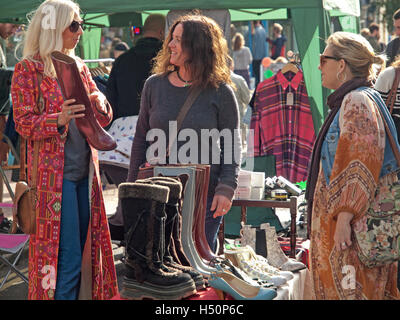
point(299, 289)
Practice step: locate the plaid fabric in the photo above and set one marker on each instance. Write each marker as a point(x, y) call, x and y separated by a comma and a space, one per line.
point(287, 132)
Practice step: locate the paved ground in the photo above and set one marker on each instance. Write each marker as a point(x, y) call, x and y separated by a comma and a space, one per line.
point(16, 289)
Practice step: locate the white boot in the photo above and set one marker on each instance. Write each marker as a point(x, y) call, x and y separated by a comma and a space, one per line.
point(241, 258)
point(248, 236)
point(275, 255)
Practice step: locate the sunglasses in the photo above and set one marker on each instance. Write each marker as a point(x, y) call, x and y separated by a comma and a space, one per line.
point(323, 58)
point(74, 27)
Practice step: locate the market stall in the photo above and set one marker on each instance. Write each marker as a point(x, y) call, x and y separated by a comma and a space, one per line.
point(310, 33)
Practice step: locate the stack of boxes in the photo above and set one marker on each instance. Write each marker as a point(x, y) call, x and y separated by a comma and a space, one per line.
point(251, 185)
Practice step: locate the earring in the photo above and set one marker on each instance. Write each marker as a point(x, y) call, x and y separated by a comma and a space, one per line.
point(342, 81)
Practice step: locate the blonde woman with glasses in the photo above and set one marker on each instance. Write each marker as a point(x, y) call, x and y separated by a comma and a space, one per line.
point(70, 256)
point(347, 167)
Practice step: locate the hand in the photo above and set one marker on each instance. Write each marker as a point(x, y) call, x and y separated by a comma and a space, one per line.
point(221, 205)
point(4, 148)
point(98, 101)
point(69, 112)
point(342, 235)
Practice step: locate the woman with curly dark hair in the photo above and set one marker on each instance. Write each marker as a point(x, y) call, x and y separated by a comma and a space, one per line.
point(194, 56)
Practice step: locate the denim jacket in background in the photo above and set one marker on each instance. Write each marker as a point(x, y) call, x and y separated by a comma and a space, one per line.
point(331, 139)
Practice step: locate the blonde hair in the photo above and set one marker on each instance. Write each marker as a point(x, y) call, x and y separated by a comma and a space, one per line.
point(277, 27)
point(44, 34)
point(358, 54)
point(238, 41)
point(365, 32)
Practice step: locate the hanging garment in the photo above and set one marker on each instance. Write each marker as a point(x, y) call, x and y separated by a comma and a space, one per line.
point(283, 125)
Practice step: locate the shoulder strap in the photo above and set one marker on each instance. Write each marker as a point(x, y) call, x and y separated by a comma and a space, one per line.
point(186, 106)
point(193, 94)
point(23, 147)
point(393, 144)
point(392, 93)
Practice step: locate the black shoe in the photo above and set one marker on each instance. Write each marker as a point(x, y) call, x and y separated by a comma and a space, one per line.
point(146, 277)
point(5, 225)
point(116, 232)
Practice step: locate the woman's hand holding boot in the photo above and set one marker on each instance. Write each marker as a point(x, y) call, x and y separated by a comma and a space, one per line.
point(99, 101)
point(70, 111)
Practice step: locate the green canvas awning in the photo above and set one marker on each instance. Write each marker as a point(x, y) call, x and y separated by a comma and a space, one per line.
point(311, 21)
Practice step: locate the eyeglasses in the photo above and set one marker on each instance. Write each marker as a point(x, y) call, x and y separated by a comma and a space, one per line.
point(322, 59)
point(74, 27)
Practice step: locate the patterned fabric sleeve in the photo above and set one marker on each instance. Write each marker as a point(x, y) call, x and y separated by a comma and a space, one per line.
point(359, 156)
point(24, 92)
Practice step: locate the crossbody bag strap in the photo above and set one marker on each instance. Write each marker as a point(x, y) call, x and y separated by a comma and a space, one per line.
point(24, 145)
point(392, 142)
point(393, 92)
point(193, 94)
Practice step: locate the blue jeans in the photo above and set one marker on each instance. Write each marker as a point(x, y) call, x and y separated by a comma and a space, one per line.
point(75, 215)
point(212, 226)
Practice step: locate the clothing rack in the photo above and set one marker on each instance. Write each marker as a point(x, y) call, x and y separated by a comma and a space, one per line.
point(104, 60)
point(293, 57)
point(294, 62)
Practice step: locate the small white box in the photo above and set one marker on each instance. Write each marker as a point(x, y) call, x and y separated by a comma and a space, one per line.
point(257, 193)
point(243, 193)
point(244, 178)
point(257, 179)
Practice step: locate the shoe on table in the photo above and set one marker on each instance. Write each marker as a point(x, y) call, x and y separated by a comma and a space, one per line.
point(116, 232)
point(5, 225)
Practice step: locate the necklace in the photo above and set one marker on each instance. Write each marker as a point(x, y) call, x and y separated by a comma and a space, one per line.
point(187, 83)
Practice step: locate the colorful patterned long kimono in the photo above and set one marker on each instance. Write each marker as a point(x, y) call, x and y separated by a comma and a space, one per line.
point(353, 182)
point(38, 122)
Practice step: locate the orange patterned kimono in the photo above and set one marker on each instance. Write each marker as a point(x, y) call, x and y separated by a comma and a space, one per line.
point(353, 181)
point(38, 122)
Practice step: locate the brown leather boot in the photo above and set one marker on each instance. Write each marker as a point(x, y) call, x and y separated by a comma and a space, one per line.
point(199, 236)
point(72, 87)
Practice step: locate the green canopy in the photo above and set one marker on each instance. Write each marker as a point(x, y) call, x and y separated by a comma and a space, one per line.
point(311, 21)
point(19, 8)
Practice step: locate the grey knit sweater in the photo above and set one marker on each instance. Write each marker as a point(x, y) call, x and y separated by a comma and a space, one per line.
point(213, 109)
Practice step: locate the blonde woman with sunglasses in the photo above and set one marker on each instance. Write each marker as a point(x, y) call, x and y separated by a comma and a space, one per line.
point(70, 256)
point(345, 171)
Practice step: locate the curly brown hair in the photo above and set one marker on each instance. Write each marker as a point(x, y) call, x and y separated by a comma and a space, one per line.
point(206, 49)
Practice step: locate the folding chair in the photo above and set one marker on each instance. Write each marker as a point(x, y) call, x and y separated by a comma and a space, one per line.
point(12, 244)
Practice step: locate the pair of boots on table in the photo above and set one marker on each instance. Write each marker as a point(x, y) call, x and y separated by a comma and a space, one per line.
point(275, 256)
point(157, 265)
